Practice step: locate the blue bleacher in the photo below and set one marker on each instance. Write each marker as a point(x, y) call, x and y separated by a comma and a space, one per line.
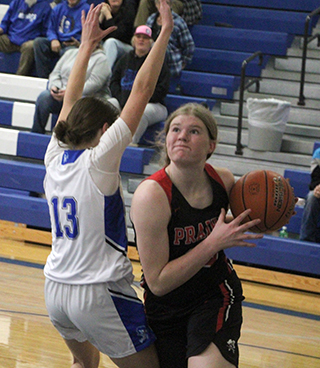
point(9, 62)
point(33, 146)
point(280, 253)
point(208, 85)
point(213, 74)
point(22, 175)
point(224, 62)
point(245, 40)
point(258, 19)
point(293, 5)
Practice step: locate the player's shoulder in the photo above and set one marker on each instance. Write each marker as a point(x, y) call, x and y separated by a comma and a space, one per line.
point(226, 176)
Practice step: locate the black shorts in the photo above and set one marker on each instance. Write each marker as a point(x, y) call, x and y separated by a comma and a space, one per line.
point(218, 320)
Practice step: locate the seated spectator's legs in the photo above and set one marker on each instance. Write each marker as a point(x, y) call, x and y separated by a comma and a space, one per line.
point(6, 45)
point(45, 58)
point(310, 227)
point(26, 58)
point(177, 7)
point(153, 113)
point(114, 49)
point(45, 105)
point(146, 7)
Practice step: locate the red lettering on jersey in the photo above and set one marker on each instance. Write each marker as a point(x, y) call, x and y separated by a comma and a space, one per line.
point(190, 234)
point(178, 235)
point(201, 233)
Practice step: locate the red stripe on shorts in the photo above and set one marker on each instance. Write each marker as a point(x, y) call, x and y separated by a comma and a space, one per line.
point(222, 311)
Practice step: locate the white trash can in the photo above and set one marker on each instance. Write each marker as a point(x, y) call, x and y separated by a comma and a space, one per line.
point(267, 119)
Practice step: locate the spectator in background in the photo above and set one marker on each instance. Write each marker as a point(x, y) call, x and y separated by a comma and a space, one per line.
point(310, 224)
point(181, 45)
point(118, 13)
point(124, 74)
point(64, 31)
point(23, 22)
point(50, 100)
point(189, 10)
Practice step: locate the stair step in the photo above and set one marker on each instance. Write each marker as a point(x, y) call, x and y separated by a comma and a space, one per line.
point(297, 115)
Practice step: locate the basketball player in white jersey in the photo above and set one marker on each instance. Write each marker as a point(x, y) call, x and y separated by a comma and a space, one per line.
point(88, 289)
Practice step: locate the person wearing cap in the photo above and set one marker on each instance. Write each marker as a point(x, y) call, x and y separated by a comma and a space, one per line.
point(123, 76)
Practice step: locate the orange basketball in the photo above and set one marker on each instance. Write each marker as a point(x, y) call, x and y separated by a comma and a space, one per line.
point(269, 196)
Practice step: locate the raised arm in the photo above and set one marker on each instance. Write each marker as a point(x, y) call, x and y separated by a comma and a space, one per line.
point(91, 36)
point(146, 79)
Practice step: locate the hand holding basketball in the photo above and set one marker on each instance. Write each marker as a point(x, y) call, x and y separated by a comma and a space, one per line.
point(269, 196)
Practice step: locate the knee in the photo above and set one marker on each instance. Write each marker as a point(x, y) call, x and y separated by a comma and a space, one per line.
point(110, 42)
point(39, 43)
point(43, 99)
point(27, 47)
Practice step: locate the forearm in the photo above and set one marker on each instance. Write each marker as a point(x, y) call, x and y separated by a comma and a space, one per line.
point(177, 272)
point(77, 76)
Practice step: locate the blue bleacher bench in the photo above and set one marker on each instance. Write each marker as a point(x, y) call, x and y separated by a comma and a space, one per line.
point(256, 18)
point(245, 40)
point(9, 62)
point(299, 5)
point(280, 253)
point(208, 85)
point(224, 62)
point(33, 146)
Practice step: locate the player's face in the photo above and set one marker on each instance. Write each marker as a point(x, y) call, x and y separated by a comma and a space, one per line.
point(188, 140)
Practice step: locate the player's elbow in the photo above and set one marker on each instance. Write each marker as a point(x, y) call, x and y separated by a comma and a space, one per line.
point(158, 288)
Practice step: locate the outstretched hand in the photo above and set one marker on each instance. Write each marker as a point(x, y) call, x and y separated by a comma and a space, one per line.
point(166, 14)
point(91, 31)
point(232, 234)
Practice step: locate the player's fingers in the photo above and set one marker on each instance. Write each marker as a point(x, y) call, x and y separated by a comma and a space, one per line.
point(222, 215)
point(242, 216)
point(109, 30)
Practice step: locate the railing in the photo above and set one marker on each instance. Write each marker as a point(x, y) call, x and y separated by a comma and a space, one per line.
point(243, 87)
point(306, 40)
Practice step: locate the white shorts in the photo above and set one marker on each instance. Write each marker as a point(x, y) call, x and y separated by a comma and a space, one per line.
point(109, 315)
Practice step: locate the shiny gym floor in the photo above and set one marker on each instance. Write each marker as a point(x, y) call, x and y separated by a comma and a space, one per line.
point(281, 325)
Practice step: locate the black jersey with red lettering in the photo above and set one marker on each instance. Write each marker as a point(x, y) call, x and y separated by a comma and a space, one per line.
point(188, 226)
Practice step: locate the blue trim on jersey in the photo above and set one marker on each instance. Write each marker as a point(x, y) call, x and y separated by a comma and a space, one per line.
point(115, 224)
point(134, 320)
point(70, 156)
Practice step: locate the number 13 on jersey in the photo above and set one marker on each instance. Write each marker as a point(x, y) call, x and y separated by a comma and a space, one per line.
point(65, 217)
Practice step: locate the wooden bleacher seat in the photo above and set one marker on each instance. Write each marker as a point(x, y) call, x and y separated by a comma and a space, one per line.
point(245, 40)
point(256, 18)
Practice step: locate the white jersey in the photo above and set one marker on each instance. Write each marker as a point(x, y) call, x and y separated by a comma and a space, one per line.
point(83, 190)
